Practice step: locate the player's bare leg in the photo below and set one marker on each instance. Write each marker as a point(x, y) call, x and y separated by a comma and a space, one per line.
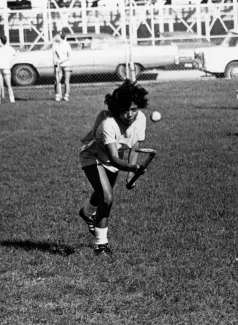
point(67, 84)
point(1, 87)
point(88, 213)
point(102, 182)
point(58, 88)
point(7, 79)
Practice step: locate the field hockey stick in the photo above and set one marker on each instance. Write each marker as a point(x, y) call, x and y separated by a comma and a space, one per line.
point(143, 167)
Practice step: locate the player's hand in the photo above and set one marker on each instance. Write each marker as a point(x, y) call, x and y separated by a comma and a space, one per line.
point(141, 170)
point(135, 168)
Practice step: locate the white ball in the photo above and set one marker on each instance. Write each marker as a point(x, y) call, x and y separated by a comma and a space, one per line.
point(155, 116)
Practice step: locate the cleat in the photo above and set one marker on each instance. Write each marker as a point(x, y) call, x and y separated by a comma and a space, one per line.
point(103, 250)
point(89, 221)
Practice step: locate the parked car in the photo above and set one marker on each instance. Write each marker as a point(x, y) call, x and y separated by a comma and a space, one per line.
point(187, 43)
point(91, 54)
point(220, 60)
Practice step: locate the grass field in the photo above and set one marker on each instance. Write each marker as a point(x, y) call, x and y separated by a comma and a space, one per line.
point(174, 237)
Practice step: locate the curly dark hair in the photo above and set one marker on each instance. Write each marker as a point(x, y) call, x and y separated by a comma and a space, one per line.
point(62, 34)
point(126, 94)
point(3, 39)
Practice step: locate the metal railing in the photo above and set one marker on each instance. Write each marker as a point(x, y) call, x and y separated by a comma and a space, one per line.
point(29, 28)
point(141, 25)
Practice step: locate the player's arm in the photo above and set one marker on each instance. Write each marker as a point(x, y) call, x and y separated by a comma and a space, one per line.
point(12, 54)
point(68, 54)
point(117, 162)
point(69, 51)
point(132, 159)
point(56, 58)
point(133, 155)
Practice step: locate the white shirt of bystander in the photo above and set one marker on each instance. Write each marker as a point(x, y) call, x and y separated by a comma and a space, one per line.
point(7, 54)
point(62, 52)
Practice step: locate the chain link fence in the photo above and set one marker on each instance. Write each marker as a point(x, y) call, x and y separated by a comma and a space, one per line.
point(112, 39)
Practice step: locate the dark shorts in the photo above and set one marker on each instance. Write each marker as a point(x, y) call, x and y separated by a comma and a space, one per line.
point(64, 69)
point(99, 177)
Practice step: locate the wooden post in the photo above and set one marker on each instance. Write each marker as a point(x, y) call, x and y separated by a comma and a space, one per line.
point(45, 22)
point(49, 20)
point(235, 10)
point(122, 9)
point(198, 20)
point(21, 29)
point(5, 19)
point(84, 16)
point(162, 10)
point(132, 66)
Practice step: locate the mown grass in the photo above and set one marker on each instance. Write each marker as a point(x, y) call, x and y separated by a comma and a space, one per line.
point(174, 237)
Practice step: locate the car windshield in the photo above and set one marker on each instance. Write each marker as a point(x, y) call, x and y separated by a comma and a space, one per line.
point(75, 43)
point(89, 42)
point(231, 40)
point(46, 47)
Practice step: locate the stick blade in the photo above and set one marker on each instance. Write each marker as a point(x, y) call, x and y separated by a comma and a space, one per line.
point(143, 166)
point(146, 150)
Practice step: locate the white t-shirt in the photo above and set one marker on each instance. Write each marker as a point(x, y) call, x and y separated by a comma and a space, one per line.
point(7, 54)
point(62, 51)
point(111, 130)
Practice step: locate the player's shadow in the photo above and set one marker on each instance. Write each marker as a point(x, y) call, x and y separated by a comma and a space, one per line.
point(52, 248)
point(19, 99)
point(232, 134)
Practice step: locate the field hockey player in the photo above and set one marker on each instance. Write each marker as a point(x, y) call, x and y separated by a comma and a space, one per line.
point(116, 130)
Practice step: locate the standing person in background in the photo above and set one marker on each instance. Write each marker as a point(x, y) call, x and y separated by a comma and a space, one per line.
point(7, 54)
point(61, 60)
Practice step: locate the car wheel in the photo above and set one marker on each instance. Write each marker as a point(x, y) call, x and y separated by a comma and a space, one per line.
point(121, 71)
point(24, 75)
point(231, 71)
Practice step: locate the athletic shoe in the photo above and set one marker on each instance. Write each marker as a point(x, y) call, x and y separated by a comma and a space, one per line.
point(66, 97)
point(57, 98)
point(12, 99)
point(89, 221)
point(102, 250)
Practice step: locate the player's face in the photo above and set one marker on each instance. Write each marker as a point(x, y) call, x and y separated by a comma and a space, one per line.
point(129, 115)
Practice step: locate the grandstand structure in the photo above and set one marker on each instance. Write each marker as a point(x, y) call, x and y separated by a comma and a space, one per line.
point(141, 20)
